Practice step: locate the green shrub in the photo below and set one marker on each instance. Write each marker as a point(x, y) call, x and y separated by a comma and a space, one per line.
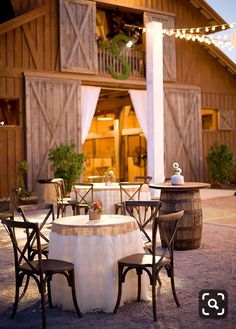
point(22, 170)
point(220, 163)
point(67, 163)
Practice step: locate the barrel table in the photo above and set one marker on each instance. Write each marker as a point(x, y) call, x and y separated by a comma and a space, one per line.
point(183, 197)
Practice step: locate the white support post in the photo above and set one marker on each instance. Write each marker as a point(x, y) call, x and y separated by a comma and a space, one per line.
point(155, 99)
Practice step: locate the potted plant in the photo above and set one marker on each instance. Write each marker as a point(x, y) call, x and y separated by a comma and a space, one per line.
point(67, 163)
point(220, 164)
point(25, 196)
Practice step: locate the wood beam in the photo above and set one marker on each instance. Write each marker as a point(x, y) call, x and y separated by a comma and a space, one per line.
point(23, 19)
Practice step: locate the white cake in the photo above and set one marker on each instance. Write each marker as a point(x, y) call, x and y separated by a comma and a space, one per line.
point(177, 179)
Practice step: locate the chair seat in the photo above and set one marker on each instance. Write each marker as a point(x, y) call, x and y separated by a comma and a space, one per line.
point(142, 260)
point(50, 265)
point(66, 201)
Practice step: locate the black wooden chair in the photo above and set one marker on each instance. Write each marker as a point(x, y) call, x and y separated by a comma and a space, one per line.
point(9, 213)
point(63, 201)
point(153, 263)
point(143, 212)
point(83, 196)
point(41, 270)
point(143, 179)
point(128, 192)
point(30, 213)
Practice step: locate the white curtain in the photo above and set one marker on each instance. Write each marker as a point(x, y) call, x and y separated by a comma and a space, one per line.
point(139, 101)
point(89, 99)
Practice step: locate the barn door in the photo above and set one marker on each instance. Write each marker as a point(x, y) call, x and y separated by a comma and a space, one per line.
point(183, 136)
point(169, 57)
point(52, 118)
point(78, 48)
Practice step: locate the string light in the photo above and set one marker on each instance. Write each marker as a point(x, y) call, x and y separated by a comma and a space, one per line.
point(198, 34)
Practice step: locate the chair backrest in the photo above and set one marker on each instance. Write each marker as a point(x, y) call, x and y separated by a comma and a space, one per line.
point(97, 179)
point(144, 213)
point(22, 234)
point(41, 211)
point(59, 185)
point(168, 223)
point(143, 179)
point(83, 193)
point(129, 191)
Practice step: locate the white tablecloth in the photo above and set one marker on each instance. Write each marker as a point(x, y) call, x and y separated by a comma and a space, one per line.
point(94, 247)
point(109, 195)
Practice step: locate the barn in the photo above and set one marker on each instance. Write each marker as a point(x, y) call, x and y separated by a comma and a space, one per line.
point(59, 78)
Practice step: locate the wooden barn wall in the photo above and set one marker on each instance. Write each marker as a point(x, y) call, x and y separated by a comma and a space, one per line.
point(27, 47)
point(11, 137)
point(221, 102)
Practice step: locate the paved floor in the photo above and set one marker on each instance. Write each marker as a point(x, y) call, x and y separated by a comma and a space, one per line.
point(212, 266)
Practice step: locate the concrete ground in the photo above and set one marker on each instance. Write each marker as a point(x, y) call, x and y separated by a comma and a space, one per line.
point(212, 266)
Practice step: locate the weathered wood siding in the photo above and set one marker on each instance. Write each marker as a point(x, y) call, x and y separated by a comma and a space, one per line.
point(182, 131)
point(11, 150)
point(78, 47)
point(223, 103)
point(52, 117)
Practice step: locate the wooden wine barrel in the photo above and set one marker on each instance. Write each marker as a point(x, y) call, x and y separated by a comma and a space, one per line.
point(189, 231)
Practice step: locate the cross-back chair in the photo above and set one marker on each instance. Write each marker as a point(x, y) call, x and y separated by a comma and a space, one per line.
point(143, 212)
point(143, 179)
point(153, 263)
point(128, 192)
point(41, 270)
point(9, 213)
point(62, 200)
point(84, 196)
point(30, 213)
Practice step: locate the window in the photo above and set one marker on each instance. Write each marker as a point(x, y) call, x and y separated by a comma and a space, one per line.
point(9, 112)
point(210, 119)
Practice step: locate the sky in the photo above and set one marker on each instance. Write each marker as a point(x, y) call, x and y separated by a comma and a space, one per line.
point(227, 10)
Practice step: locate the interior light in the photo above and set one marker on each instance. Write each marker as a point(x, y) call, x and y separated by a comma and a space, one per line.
point(129, 44)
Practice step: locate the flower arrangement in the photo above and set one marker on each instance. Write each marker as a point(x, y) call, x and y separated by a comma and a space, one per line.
point(177, 178)
point(95, 210)
point(96, 205)
point(109, 177)
point(177, 168)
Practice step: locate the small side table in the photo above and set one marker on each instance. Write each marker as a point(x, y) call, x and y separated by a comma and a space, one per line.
point(186, 197)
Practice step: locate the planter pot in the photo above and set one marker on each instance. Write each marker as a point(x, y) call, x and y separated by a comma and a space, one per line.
point(94, 214)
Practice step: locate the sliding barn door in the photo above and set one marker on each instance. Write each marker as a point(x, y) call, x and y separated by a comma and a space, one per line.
point(183, 134)
point(78, 47)
point(52, 117)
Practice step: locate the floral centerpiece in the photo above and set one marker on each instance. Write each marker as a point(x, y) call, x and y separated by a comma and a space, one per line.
point(177, 178)
point(95, 210)
point(109, 178)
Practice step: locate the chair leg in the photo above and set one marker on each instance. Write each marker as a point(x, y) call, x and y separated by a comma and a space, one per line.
point(16, 299)
point(58, 211)
point(139, 286)
point(49, 292)
point(154, 301)
point(120, 271)
point(173, 287)
point(72, 279)
point(42, 293)
point(159, 280)
point(25, 287)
